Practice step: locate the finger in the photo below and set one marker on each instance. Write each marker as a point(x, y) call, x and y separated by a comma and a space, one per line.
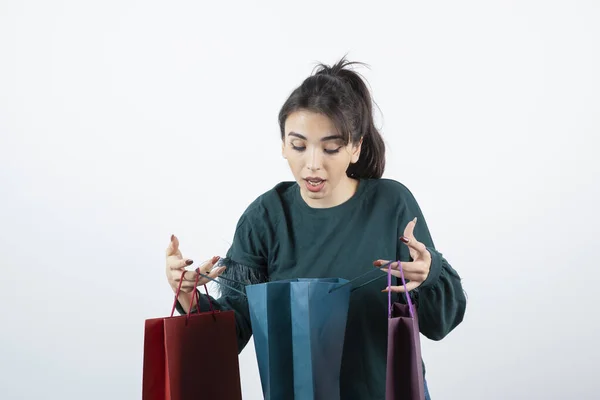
point(407, 266)
point(188, 284)
point(400, 289)
point(213, 274)
point(207, 266)
point(419, 275)
point(173, 248)
point(413, 254)
point(187, 288)
point(409, 235)
point(384, 264)
point(410, 227)
point(188, 276)
point(176, 263)
point(415, 246)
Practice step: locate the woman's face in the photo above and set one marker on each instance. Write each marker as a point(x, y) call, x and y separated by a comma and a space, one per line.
point(319, 159)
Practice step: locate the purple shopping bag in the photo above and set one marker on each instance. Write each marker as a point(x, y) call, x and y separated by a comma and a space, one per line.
point(404, 375)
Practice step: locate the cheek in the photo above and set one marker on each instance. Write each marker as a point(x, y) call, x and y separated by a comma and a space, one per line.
point(294, 162)
point(343, 161)
point(337, 167)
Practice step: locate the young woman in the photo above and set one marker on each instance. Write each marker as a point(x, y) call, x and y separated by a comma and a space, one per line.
point(339, 218)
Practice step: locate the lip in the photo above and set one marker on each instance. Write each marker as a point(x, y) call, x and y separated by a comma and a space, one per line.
point(312, 187)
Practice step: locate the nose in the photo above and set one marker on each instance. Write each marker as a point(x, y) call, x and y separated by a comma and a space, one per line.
point(314, 159)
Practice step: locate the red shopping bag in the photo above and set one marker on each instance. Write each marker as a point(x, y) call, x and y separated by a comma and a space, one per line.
point(404, 375)
point(191, 357)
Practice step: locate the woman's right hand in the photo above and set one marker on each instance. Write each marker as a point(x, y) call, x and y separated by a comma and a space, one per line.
point(176, 265)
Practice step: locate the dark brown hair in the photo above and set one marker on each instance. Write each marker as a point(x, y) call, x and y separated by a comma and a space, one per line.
point(341, 94)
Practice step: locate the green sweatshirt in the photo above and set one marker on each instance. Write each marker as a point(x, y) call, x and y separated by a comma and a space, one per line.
point(280, 234)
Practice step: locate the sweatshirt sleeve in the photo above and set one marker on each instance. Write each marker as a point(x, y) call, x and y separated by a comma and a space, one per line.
point(440, 300)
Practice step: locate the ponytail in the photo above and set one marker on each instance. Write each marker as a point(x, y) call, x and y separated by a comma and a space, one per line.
point(371, 163)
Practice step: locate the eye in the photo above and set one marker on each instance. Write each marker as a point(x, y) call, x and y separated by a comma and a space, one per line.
point(333, 151)
point(298, 148)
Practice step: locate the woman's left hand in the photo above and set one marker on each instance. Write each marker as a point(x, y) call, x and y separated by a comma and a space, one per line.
point(415, 271)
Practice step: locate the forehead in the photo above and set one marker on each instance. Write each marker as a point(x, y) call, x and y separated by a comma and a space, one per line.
point(310, 125)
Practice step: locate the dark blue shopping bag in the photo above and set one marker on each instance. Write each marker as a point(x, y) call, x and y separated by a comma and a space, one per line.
point(299, 327)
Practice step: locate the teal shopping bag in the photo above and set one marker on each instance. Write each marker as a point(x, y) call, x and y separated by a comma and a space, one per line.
point(299, 327)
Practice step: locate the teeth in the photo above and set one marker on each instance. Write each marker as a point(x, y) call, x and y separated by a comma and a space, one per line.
point(315, 183)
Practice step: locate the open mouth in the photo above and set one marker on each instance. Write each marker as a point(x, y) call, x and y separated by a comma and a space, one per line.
point(314, 184)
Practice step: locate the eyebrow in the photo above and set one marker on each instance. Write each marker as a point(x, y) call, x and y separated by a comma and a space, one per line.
point(326, 138)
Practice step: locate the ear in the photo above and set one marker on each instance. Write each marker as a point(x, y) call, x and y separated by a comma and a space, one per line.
point(283, 149)
point(356, 152)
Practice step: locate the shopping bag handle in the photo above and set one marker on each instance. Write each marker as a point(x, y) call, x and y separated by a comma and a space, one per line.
point(196, 297)
point(389, 276)
point(179, 292)
point(359, 277)
point(223, 284)
point(200, 274)
point(375, 270)
point(244, 285)
point(389, 279)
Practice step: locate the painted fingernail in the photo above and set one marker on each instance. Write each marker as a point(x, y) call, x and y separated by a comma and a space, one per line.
point(189, 262)
point(172, 237)
point(215, 259)
point(404, 239)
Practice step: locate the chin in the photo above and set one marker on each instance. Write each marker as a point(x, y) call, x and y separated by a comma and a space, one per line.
point(313, 195)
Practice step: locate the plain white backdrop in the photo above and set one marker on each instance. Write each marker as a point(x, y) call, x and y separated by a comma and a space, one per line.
point(122, 122)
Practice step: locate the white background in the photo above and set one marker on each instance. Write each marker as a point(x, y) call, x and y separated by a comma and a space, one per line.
point(122, 122)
